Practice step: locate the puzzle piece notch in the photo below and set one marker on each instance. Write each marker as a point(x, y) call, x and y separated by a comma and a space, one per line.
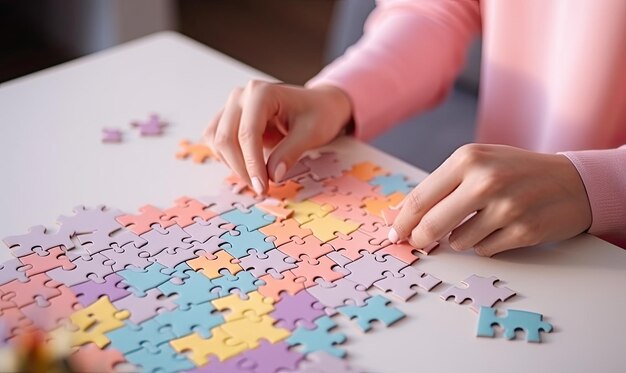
point(95, 321)
point(252, 219)
point(252, 329)
point(255, 304)
point(480, 290)
point(240, 240)
point(259, 264)
point(297, 309)
point(531, 323)
point(370, 268)
point(377, 308)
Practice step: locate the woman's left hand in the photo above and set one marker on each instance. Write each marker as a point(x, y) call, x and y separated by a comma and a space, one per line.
point(517, 198)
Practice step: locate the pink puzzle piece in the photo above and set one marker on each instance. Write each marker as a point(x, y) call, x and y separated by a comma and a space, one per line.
point(142, 223)
point(53, 258)
point(111, 135)
point(351, 245)
point(309, 245)
point(187, 210)
point(480, 290)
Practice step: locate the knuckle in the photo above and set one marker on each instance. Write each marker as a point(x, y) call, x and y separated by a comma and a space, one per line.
point(426, 230)
point(221, 140)
point(511, 209)
point(489, 183)
point(258, 87)
point(413, 201)
point(470, 155)
point(457, 244)
point(235, 94)
point(246, 135)
point(527, 233)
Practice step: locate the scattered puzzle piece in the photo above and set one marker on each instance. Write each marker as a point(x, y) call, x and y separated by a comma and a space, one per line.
point(531, 323)
point(198, 152)
point(153, 126)
point(480, 290)
point(111, 135)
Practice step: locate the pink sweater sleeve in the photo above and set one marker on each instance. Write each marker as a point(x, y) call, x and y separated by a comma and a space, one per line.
point(406, 62)
point(604, 174)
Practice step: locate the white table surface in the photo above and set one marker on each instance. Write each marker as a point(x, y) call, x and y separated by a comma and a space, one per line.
point(53, 160)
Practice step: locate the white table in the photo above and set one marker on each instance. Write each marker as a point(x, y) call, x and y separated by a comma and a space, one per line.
point(53, 160)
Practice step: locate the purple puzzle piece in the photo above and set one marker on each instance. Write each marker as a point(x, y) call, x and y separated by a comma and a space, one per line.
point(146, 307)
point(325, 166)
point(337, 293)
point(38, 236)
point(88, 220)
point(173, 238)
point(271, 357)
point(401, 284)
point(259, 264)
point(211, 246)
point(201, 231)
point(370, 267)
point(481, 290)
point(311, 188)
point(151, 127)
point(172, 259)
point(299, 307)
point(12, 270)
point(89, 291)
point(127, 255)
point(110, 135)
point(98, 265)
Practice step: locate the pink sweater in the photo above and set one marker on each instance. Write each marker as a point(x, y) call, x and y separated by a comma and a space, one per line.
point(553, 80)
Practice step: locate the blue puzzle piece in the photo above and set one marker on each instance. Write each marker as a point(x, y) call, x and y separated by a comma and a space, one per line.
point(254, 219)
point(318, 339)
point(390, 184)
point(530, 322)
point(178, 271)
point(375, 309)
point(142, 280)
point(239, 245)
point(244, 281)
point(199, 317)
point(195, 289)
point(160, 359)
point(130, 337)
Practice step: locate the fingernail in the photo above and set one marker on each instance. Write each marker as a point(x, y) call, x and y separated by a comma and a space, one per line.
point(280, 171)
point(257, 185)
point(393, 235)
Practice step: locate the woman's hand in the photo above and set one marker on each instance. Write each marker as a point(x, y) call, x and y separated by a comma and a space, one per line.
point(292, 119)
point(519, 198)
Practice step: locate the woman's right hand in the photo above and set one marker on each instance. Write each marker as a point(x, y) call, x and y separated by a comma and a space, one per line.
point(288, 119)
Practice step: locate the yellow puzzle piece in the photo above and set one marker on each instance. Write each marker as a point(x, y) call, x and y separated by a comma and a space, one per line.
point(306, 210)
point(251, 329)
point(221, 344)
point(324, 228)
point(95, 320)
point(256, 304)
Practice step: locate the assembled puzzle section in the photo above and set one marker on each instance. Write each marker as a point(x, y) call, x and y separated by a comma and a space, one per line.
point(232, 282)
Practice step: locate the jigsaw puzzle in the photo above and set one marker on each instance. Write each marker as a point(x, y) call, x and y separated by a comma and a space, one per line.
point(230, 282)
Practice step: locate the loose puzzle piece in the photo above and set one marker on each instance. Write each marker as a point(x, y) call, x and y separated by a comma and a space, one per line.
point(376, 309)
point(198, 152)
point(297, 308)
point(325, 166)
point(95, 320)
point(142, 223)
point(401, 284)
point(221, 344)
point(111, 135)
point(480, 290)
point(275, 207)
point(319, 339)
point(283, 191)
point(153, 126)
point(531, 323)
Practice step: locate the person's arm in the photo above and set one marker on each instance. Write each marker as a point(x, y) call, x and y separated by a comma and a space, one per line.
point(603, 173)
point(406, 61)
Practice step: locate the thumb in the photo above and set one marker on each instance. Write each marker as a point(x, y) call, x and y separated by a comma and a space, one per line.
point(289, 150)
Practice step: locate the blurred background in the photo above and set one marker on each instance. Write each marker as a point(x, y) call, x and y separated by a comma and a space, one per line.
point(289, 39)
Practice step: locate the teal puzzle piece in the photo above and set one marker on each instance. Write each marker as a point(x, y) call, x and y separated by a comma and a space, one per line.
point(376, 308)
point(253, 220)
point(200, 318)
point(238, 245)
point(243, 281)
point(130, 337)
point(142, 280)
point(530, 322)
point(195, 289)
point(390, 184)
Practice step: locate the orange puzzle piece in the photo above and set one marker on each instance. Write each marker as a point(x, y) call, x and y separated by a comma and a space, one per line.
point(199, 153)
point(210, 265)
point(284, 231)
point(287, 283)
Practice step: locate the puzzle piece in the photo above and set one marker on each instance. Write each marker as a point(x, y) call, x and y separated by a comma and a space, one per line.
point(338, 293)
point(127, 256)
point(24, 293)
point(275, 207)
point(306, 211)
point(111, 135)
point(243, 282)
point(283, 283)
point(284, 190)
point(390, 184)
point(153, 126)
point(130, 337)
point(187, 211)
point(142, 280)
point(202, 231)
point(221, 344)
point(366, 171)
point(480, 290)
point(146, 307)
point(260, 264)
point(255, 303)
point(97, 266)
point(195, 289)
point(90, 358)
point(309, 245)
point(269, 357)
point(297, 308)
point(253, 219)
point(37, 236)
point(95, 320)
point(298, 169)
point(326, 228)
point(201, 318)
point(251, 329)
point(198, 152)
point(319, 339)
point(284, 231)
point(402, 283)
point(161, 359)
point(376, 309)
point(88, 292)
point(171, 238)
point(376, 205)
point(47, 316)
point(245, 240)
point(530, 322)
point(310, 269)
point(351, 245)
point(44, 261)
point(370, 268)
point(211, 264)
point(310, 189)
point(325, 166)
point(13, 269)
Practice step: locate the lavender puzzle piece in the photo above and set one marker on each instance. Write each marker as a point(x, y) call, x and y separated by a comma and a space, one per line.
point(172, 259)
point(110, 135)
point(88, 220)
point(201, 231)
point(101, 240)
point(402, 284)
point(259, 264)
point(325, 166)
point(481, 290)
point(211, 246)
point(310, 188)
point(338, 293)
point(89, 291)
point(298, 169)
point(294, 308)
point(153, 126)
point(338, 258)
point(126, 256)
point(370, 268)
point(270, 357)
point(98, 265)
point(146, 307)
point(173, 238)
point(12, 269)
point(37, 236)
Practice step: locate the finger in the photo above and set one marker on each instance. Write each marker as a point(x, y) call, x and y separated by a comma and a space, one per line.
point(288, 151)
point(226, 142)
point(259, 107)
point(475, 229)
point(509, 237)
point(209, 132)
point(423, 197)
point(442, 218)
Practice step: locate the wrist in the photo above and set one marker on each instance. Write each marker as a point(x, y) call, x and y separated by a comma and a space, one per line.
point(338, 104)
